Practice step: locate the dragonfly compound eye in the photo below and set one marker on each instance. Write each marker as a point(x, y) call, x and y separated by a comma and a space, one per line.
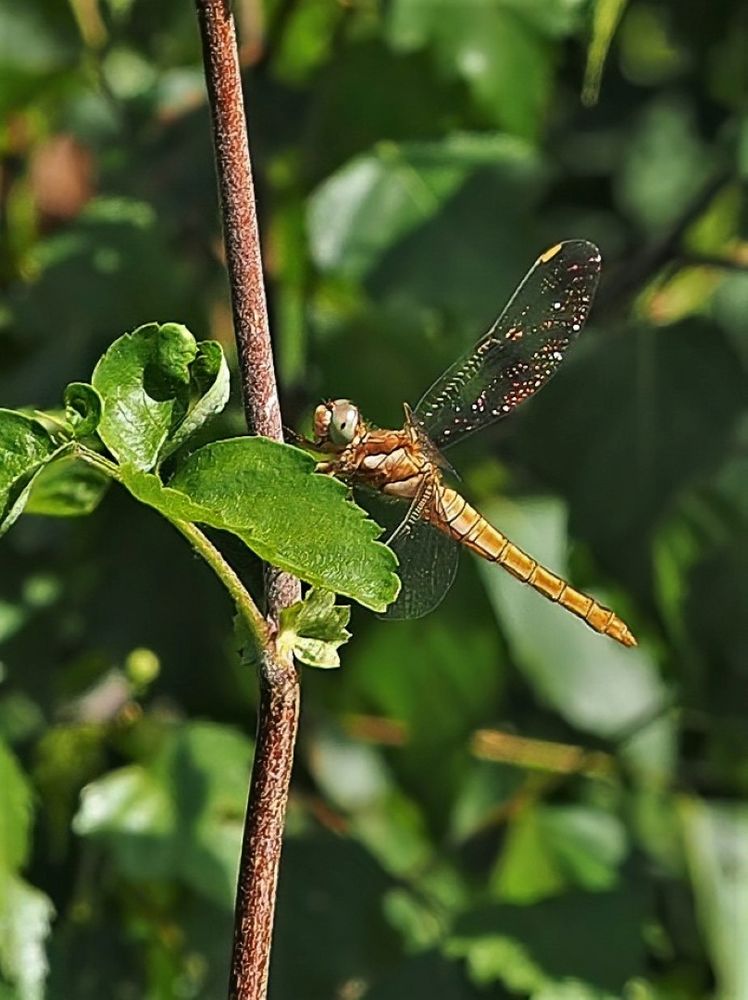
point(344, 422)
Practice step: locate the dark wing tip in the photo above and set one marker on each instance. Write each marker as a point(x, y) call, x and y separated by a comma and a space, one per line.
point(574, 252)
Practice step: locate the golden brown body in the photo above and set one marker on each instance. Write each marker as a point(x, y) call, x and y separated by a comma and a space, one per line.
point(403, 464)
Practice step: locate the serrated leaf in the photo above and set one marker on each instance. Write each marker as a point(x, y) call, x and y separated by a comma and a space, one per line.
point(269, 496)
point(82, 408)
point(376, 199)
point(15, 812)
point(25, 918)
point(25, 447)
point(210, 374)
point(314, 629)
point(143, 381)
point(67, 487)
point(158, 387)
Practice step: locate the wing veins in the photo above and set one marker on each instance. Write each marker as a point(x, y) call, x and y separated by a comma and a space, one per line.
point(521, 351)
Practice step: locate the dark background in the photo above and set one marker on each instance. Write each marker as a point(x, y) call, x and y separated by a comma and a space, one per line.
point(490, 802)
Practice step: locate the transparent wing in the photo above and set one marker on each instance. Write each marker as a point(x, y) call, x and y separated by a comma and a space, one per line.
point(521, 351)
point(427, 558)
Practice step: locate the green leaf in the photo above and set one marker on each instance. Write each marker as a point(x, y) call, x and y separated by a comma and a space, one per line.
point(505, 62)
point(530, 948)
point(305, 42)
point(67, 487)
point(143, 381)
point(666, 164)
point(174, 504)
point(606, 18)
point(268, 495)
point(25, 919)
point(716, 840)
point(15, 812)
point(210, 374)
point(158, 387)
point(376, 199)
point(314, 628)
point(83, 408)
point(126, 802)
point(180, 816)
point(553, 848)
point(24, 449)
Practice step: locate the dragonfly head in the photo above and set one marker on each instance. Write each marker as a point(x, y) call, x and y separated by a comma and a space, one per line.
point(336, 422)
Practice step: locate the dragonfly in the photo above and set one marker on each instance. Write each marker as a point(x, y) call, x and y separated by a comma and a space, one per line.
point(510, 363)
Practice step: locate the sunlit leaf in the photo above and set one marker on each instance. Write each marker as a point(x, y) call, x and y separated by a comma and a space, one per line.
point(142, 380)
point(552, 848)
point(649, 46)
point(607, 14)
point(266, 494)
point(497, 50)
point(555, 941)
point(25, 919)
point(15, 813)
point(67, 488)
point(383, 818)
point(314, 629)
point(210, 374)
point(305, 42)
point(83, 408)
point(379, 197)
point(24, 449)
point(179, 816)
point(158, 386)
point(716, 839)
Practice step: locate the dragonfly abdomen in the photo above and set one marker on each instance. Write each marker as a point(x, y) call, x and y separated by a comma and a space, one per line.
point(454, 515)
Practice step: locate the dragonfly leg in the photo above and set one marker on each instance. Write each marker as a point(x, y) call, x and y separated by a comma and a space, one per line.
point(415, 512)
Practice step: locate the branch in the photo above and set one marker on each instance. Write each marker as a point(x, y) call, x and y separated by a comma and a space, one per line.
point(734, 263)
point(229, 578)
point(654, 257)
point(279, 683)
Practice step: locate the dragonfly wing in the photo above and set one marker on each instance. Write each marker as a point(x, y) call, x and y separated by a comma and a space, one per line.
point(427, 558)
point(428, 564)
point(521, 351)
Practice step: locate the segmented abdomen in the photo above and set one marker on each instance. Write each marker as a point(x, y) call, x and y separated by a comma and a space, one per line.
point(451, 513)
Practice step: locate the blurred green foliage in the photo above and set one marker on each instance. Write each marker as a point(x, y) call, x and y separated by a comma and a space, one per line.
point(490, 801)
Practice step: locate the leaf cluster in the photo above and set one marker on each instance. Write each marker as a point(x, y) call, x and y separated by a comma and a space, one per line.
point(486, 803)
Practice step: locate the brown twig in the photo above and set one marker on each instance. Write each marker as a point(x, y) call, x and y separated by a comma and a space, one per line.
point(631, 276)
point(717, 263)
point(279, 682)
